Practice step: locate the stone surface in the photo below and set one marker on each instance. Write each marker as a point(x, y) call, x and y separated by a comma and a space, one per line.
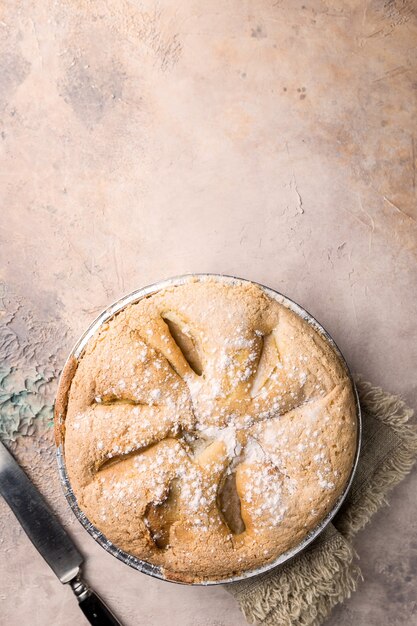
point(273, 140)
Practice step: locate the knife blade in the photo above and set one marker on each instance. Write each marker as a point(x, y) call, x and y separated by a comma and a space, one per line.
point(49, 537)
point(36, 519)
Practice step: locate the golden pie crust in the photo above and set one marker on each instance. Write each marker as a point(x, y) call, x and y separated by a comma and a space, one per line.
point(207, 429)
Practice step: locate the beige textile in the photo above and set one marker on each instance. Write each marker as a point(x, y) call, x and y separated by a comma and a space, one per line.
point(303, 591)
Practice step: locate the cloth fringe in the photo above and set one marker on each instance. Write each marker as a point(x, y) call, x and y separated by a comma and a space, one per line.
point(393, 412)
point(304, 594)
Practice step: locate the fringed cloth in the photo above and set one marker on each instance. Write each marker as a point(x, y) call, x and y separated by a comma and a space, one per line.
point(303, 591)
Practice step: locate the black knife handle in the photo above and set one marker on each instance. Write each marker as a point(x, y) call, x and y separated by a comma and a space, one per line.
point(93, 607)
point(97, 612)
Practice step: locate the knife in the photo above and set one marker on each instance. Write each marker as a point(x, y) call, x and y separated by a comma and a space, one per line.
point(49, 537)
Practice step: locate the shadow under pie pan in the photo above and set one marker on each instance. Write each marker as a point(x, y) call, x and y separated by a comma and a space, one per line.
point(77, 352)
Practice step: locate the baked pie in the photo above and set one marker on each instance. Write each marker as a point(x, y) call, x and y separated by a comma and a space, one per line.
point(207, 429)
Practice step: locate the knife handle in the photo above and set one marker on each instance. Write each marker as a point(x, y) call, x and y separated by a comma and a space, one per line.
point(97, 612)
point(93, 607)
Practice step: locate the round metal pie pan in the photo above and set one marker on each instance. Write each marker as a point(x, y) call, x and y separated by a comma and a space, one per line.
point(77, 351)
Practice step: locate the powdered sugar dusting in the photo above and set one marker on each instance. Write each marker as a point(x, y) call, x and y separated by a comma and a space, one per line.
point(169, 435)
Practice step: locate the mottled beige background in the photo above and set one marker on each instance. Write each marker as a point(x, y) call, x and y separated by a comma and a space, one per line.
point(274, 140)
